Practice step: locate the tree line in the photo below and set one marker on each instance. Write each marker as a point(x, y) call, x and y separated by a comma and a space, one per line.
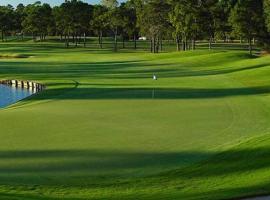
point(185, 21)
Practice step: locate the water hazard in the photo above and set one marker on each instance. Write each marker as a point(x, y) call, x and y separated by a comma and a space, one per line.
point(10, 94)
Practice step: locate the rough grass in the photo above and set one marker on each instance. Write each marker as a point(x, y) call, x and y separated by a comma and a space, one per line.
point(104, 129)
point(3, 56)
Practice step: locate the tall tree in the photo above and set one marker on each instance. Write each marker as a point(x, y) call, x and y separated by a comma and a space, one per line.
point(59, 21)
point(222, 26)
point(130, 16)
point(114, 17)
point(99, 22)
point(75, 19)
point(207, 20)
point(183, 17)
point(38, 20)
point(153, 21)
point(18, 19)
point(6, 20)
point(267, 13)
point(247, 20)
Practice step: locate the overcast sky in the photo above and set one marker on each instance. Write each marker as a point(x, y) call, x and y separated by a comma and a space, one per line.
point(52, 2)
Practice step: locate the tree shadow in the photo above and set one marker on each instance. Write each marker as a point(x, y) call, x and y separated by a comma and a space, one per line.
point(235, 161)
point(72, 167)
point(69, 167)
point(131, 92)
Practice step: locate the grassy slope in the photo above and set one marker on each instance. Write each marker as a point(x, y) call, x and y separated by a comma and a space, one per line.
point(97, 133)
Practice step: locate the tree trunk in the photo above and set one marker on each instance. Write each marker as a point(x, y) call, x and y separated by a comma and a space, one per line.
point(151, 45)
point(123, 42)
point(115, 40)
point(157, 45)
point(135, 41)
point(177, 43)
point(161, 45)
point(154, 45)
point(76, 40)
point(250, 46)
point(210, 43)
point(2, 36)
point(183, 45)
point(65, 37)
point(68, 41)
point(193, 44)
point(101, 39)
point(84, 39)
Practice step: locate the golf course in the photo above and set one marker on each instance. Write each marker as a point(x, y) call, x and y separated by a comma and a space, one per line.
point(104, 129)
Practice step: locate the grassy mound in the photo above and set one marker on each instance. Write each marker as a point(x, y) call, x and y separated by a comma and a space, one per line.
point(103, 129)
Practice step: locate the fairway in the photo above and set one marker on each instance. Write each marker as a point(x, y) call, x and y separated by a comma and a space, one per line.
point(104, 129)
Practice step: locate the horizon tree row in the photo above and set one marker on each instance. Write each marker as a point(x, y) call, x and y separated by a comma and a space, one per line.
point(184, 21)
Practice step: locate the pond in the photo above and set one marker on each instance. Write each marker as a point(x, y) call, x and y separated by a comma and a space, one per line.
point(10, 95)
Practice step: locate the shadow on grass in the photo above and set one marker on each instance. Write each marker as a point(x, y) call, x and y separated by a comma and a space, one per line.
point(238, 193)
point(34, 169)
point(130, 92)
point(72, 168)
point(70, 164)
point(90, 162)
point(10, 196)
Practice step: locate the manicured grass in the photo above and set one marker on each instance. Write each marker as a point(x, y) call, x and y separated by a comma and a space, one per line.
point(104, 129)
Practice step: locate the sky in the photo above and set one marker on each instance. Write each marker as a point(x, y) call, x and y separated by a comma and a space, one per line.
point(51, 2)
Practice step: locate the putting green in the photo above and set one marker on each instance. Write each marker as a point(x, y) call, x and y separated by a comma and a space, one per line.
point(104, 129)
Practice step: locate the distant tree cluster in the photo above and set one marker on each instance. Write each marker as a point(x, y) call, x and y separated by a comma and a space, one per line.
point(186, 21)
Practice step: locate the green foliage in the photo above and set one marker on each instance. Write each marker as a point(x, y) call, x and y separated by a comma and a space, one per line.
point(207, 18)
point(76, 16)
point(184, 17)
point(6, 19)
point(154, 18)
point(100, 19)
point(19, 16)
point(128, 20)
point(246, 18)
point(222, 25)
point(267, 13)
point(38, 19)
point(266, 38)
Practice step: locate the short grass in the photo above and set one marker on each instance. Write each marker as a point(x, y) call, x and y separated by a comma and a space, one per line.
point(104, 129)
